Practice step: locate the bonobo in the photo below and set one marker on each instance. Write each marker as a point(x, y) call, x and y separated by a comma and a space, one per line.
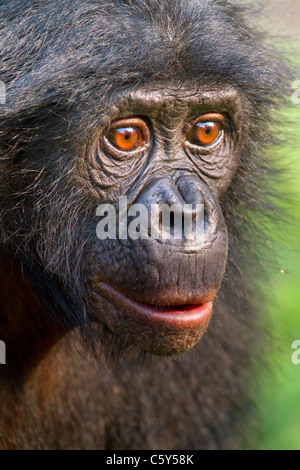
point(161, 102)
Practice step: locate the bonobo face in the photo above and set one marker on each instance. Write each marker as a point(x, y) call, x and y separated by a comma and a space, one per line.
point(171, 147)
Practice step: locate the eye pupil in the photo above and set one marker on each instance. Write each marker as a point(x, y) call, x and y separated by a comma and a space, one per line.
point(204, 133)
point(126, 138)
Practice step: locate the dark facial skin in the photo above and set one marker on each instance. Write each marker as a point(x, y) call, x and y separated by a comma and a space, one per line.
point(158, 294)
point(78, 312)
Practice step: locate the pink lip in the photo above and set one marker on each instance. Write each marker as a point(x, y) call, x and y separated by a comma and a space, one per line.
point(182, 316)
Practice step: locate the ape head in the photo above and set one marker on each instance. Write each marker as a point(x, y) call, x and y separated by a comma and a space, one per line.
point(159, 102)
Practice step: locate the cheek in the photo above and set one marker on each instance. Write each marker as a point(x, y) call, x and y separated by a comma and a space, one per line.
point(108, 176)
point(216, 170)
point(220, 186)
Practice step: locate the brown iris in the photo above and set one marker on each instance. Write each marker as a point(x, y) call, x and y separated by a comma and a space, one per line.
point(206, 131)
point(126, 138)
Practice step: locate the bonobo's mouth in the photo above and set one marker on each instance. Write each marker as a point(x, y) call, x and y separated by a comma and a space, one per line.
point(176, 316)
point(160, 330)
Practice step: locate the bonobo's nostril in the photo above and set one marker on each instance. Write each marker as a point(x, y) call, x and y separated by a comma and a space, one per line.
point(178, 207)
point(190, 190)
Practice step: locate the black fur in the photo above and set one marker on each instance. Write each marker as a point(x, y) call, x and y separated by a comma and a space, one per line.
point(63, 62)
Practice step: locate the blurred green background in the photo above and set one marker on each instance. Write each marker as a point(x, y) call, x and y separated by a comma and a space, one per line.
point(279, 399)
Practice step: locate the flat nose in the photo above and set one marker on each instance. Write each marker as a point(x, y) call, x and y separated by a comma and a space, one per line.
point(177, 208)
point(174, 271)
point(165, 191)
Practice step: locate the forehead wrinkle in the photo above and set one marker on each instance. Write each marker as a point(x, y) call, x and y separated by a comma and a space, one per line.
point(174, 101)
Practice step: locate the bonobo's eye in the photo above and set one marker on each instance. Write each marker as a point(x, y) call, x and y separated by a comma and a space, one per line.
point(207, 130)
point(127, 136)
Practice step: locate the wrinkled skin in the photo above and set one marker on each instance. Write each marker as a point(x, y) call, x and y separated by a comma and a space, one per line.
point(170, 172)
point(87, 322)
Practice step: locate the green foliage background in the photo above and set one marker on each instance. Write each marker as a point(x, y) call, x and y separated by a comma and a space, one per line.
point(279, 400)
